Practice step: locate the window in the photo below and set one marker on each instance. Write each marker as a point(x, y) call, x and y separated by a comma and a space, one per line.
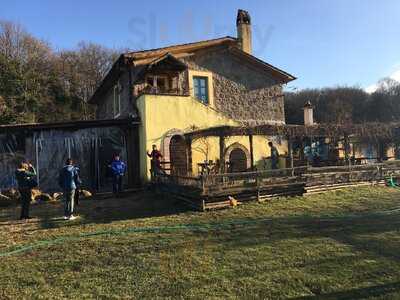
point(162, 83)
point(157, 82)
point(117, 101)
point(200, 88)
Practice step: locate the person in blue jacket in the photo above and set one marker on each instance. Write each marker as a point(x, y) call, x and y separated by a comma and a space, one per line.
point(69, 181)
point(118, 169)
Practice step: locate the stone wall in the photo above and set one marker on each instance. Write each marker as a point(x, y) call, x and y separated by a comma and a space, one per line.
point(241, 91)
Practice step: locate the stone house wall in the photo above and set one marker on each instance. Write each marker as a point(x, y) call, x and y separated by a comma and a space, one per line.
point(241, 92)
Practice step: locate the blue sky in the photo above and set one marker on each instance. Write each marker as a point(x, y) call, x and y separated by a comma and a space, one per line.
point(322, 42)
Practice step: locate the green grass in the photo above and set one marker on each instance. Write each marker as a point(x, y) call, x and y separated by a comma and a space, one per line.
point(339, 245)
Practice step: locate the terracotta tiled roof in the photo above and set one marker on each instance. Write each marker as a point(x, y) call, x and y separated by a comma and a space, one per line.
point(180, 48)
point(145, 57)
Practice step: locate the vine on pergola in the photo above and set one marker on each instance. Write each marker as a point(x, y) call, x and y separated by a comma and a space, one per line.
point(366, 131)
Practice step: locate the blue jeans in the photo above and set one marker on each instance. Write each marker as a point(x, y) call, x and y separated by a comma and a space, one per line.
point(274, 163)
point(69, 202)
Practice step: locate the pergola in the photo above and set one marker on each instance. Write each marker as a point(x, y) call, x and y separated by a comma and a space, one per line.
point(379, 133)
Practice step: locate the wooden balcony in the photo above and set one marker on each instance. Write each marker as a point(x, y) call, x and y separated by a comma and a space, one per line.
point(149, 90)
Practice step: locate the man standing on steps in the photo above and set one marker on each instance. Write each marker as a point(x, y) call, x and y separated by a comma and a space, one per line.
point(68, 181)
point(274, 156)
point(155, 157)
point(118, 168)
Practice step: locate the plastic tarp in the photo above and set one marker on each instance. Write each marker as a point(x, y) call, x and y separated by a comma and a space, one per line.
point(92, 150)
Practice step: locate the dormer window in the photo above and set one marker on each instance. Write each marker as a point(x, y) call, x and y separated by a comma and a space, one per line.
point(161, 77)
point(200, 89)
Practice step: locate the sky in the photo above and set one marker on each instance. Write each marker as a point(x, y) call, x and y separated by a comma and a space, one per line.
point(324, 43)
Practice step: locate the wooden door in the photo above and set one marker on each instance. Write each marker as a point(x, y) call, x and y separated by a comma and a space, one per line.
point(178, 155)
point(237, 161)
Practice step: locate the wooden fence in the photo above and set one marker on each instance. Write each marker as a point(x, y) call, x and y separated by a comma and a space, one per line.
point(218, 190)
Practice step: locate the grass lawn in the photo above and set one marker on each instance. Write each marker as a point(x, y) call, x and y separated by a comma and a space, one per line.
point(338, 245)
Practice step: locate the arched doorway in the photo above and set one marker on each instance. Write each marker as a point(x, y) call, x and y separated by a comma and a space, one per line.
point(238, 158)
point(237, 161)
point(178, 155)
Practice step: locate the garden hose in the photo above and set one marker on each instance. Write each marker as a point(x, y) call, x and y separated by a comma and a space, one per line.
point(204, 227)
point(160, 229)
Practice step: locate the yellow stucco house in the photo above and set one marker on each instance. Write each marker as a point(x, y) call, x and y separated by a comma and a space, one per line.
point(178, 89)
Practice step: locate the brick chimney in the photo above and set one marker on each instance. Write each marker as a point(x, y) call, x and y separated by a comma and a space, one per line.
point(308, 114)
point(243, 26)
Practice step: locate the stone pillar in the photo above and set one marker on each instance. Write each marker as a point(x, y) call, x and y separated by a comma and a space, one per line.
point(308, 114)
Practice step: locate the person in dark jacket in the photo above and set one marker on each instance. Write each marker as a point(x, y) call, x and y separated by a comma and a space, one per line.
point(118, 169)
point(25, 176)
point(69, 181)
point(155, 156)
point(78, 188)
point(274, 156)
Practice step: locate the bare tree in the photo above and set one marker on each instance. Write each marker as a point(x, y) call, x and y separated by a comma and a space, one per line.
point(84, 68)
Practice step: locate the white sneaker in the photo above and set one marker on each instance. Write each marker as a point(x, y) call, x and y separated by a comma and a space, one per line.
point(66, 218)
point(72, 217)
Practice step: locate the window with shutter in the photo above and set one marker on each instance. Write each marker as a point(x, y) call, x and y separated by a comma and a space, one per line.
point(200, 87)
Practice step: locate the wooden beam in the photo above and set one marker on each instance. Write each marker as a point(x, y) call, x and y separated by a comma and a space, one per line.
point(71, 125)
point(251, 152)
point(133, 156)
point(189, 155)
point(222, 154)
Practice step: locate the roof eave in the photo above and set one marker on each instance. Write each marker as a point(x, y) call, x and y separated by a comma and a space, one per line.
point(284, 77)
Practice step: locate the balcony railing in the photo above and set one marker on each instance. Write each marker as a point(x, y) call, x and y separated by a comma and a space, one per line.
point(149, 90)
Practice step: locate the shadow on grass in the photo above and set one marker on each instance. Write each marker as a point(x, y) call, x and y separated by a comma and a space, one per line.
point(261, 231)
point(361, 293)
point(344, 229)
point(142, 204)
point(135, 206)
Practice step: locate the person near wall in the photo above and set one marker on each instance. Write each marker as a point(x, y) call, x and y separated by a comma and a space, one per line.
point(78, 188)
point(155, 157)
point(26, 180)
point(274, 156)
point(69, 181)
point(118, 168)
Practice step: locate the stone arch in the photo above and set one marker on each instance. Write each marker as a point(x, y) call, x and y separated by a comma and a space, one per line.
point(238, 152)
point(166, 141)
